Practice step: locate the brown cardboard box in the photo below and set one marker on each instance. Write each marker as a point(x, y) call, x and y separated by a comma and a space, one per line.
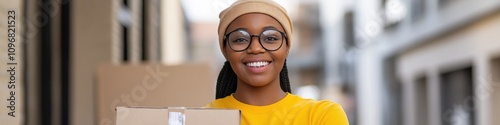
point(176, 116)
point(155, 85)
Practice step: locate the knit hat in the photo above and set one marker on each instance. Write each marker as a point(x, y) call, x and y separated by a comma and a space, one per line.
point(242, 7)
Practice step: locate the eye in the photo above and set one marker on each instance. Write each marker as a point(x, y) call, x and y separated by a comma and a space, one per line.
point(239, 40)
point(270, 36)
point(270, 39)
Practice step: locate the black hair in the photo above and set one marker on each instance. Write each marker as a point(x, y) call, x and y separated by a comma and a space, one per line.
point(227, 81)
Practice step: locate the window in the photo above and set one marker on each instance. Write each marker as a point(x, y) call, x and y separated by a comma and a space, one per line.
point(494, 79)
point(349, 30)
point(443, 3)
point(457, 104)
point(393, 93)
point(417, 9)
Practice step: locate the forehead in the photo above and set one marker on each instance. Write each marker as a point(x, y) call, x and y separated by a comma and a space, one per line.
point(254, 23)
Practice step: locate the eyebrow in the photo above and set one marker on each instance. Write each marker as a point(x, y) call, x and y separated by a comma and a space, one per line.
point(269, 28)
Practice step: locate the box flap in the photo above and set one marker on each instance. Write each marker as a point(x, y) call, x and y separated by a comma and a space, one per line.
point(176, 116)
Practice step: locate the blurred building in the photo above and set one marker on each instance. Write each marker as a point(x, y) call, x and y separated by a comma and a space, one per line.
point(67, 40)
point(424, 62)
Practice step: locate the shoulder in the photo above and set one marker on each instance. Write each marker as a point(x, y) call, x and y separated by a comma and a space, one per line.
point(331, 113)
point(219, 103)
point(327, 105)
point(325, 112)
point(317, 105)
point(215, 104)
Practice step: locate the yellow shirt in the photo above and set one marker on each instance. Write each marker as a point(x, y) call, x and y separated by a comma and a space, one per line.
point(291, 110)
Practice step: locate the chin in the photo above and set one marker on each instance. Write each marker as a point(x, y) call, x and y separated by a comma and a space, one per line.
point(256, 82)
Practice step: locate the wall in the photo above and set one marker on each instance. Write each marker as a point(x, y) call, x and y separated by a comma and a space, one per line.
point(94, 29)
point(472, 45)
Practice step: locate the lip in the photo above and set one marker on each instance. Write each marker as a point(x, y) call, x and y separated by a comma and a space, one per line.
point(255, 60)
point(256, 70)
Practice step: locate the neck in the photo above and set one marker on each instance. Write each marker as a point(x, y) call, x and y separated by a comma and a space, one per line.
point(259, 95)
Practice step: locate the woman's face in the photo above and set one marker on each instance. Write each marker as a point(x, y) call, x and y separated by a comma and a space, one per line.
point(256, 66)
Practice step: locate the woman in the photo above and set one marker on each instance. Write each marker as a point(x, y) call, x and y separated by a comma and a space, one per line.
point(255, 38)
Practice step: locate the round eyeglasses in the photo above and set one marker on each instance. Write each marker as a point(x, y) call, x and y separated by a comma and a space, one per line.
point(240, 40)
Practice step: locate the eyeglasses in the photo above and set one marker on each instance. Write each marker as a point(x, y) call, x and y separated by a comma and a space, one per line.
point(240, 40)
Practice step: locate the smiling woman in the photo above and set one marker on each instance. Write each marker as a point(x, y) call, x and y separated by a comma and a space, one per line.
point(255, 39)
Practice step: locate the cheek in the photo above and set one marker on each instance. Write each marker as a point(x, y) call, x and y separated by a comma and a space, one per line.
point(233, 56)
point(230, 54)
point(234, 59)
point(279, 57)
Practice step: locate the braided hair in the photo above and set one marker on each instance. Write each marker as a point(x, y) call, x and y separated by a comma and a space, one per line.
point(226, 82)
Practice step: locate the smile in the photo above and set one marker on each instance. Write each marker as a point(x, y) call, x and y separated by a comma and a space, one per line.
point(257, 64)
point(257, 67)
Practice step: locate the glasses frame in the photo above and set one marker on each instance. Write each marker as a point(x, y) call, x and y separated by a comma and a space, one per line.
point(283, 35)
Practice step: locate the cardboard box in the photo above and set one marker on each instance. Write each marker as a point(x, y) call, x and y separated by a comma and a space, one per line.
point(176, 116)
point(153, 85)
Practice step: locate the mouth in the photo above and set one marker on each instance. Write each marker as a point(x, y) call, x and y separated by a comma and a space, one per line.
point(257, 64)
point(257, 67)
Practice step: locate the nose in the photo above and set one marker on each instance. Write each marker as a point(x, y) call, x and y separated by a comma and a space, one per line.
point(255, 46)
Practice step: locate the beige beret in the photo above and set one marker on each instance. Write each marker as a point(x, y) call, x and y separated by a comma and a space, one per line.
point(242, 7)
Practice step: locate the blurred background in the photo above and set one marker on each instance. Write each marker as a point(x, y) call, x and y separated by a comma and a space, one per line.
point(387, 62)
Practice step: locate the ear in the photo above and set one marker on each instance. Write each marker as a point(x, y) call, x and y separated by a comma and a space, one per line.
point(224, 52)
point(287, 50)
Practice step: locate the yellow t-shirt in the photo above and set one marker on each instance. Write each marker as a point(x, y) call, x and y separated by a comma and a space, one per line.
point(291, 110)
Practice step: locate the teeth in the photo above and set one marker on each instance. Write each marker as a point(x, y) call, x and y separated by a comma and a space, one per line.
point(257, 64)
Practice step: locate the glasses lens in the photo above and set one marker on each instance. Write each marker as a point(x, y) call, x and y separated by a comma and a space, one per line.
point(271, 39)
point(239, 40)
